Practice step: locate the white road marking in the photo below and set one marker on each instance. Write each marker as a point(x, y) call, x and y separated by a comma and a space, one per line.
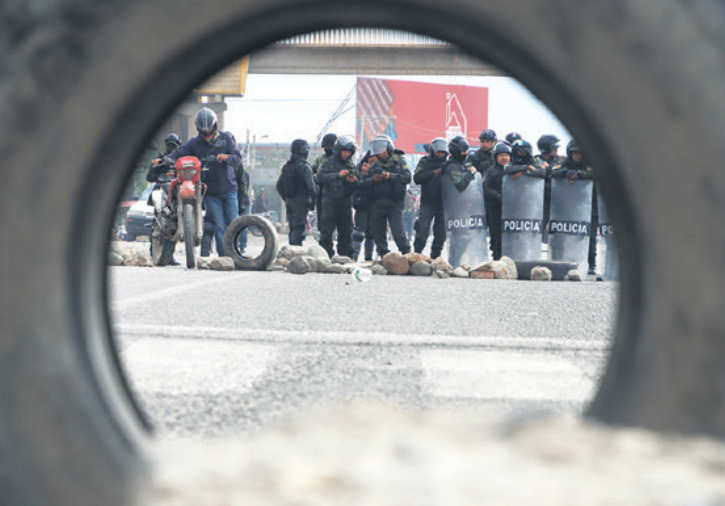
point(182, 366)
point(483, 374)
point(341, 337)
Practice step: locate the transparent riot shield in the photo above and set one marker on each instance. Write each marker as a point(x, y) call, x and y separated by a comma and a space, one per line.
point(606, 233)
point(570, 221)
point(522, 217)
point(465, 222)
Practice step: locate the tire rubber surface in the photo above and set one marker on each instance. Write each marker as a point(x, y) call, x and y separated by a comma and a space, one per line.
point(189, 236)
point(85, 83)
point(267, 231)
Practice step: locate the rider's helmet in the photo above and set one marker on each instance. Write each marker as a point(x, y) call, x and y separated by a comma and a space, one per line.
point(172, 142)
point(345, 142)
point(206, 123)
point(547, 144)
point(381, 144)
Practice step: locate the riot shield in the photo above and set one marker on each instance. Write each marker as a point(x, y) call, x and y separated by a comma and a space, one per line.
point(465, 222)
point(606, 232)
point(522, 217)
point(570, 221)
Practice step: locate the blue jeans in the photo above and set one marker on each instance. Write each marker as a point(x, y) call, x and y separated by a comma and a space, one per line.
point(243, 235)
point(221, 210)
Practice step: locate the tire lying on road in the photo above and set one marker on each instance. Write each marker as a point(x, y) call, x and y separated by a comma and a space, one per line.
point(268, 233)
point(638, 81)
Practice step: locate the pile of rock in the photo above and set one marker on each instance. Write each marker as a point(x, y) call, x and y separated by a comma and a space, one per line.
point(301, 260)
point(129, 258)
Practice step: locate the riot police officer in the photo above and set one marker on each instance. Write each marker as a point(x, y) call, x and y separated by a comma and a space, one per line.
point(297, 188)
point(492, 188)
point(387, 179)
point(460, 172)
point(523, 161)
point(576, 167)
point(328, 143)
point(362, 231)
point(338, 177)
point(428, 176)
point(548, 158)
point(482, 158)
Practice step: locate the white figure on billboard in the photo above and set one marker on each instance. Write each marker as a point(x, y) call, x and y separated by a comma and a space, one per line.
point(456, 123)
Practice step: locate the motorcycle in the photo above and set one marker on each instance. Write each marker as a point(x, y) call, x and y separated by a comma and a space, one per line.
point(178, 213)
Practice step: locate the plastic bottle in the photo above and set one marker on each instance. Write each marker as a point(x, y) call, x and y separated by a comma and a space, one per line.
point(362, 274)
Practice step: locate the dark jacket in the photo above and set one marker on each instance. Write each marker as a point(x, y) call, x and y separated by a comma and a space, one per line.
point(219, 178)
point(393, 188)
point(297, 178)
point(569, 168)
point(526, 165)
point(459, 173)
point(260, 205)
point(481, 159)
point(336, 189)
point(493, 185)
point(430, 182)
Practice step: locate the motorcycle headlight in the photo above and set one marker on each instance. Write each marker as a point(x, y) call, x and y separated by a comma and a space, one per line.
point(187, 174)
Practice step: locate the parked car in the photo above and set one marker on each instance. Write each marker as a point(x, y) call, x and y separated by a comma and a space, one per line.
point(140, 216)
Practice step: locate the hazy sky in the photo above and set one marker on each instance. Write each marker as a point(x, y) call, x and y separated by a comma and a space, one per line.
point(286, 107)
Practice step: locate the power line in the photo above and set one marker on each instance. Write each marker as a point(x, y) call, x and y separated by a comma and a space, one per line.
point(342, 109)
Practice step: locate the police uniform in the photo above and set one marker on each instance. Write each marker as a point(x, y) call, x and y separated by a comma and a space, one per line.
point(431, 205)
point(337, 204)
point(297, 188)
point(387, 201)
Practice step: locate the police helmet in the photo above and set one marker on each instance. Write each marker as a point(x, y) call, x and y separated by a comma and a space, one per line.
point(346, 142)
point(439, 144)
point(300, 147)
point(571, 147)
point(487, 135)
point(206, 123)
point(458, 145)
point(328, 140)
point(380, 144)
point(526, 146)
point(547, 143)
point(513, 136)
point(501, 147)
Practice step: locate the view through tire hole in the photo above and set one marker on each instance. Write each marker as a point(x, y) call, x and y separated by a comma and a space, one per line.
point(214, 353)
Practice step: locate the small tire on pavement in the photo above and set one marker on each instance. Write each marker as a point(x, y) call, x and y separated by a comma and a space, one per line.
point(267, 231)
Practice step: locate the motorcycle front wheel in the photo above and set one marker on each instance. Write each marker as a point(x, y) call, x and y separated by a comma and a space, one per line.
point(189, 236)
point(162, 250)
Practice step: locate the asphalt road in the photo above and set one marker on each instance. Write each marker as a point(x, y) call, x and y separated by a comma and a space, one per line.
point(218, 353)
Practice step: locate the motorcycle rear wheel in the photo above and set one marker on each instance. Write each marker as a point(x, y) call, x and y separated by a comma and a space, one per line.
point(189, 236)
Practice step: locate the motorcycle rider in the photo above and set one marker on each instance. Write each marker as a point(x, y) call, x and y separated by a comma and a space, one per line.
point(387, 179)
point(428, 176)
point(171, 142)
point(483, 158)
point(338, 177)
point(297, 188)
point(548, 158)
point(492, 188)
point(219, 154)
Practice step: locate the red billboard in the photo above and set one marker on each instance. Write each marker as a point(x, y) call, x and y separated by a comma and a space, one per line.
point(414, 113)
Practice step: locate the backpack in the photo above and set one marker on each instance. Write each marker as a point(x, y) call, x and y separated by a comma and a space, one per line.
point(287, 182)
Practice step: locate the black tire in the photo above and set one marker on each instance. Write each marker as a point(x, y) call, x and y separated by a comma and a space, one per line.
point(271, 243)
point(189, 236)
point(620, 80)
point(162, 250)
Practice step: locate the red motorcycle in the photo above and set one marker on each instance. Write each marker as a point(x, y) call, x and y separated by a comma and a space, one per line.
point(178, 214)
